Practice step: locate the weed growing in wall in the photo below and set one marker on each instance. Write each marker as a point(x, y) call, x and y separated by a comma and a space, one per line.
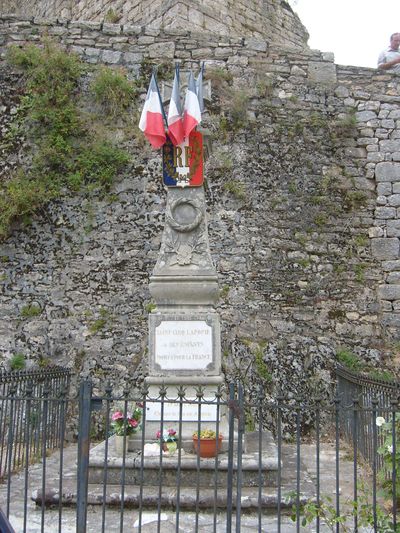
point(113, 91)
point(17, 361)
point(66, 152)
point(30, 311)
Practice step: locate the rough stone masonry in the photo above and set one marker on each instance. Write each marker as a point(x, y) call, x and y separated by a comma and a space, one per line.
point(303, 199)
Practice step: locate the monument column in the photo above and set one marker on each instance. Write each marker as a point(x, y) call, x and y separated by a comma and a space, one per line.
point(184, 328)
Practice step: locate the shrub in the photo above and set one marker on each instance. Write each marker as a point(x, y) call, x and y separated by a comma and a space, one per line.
point(65, 152)
point(113, 91)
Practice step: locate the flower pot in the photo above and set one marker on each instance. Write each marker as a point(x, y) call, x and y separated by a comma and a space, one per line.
point(119, 444)
point(207, 447)
point(170, 447)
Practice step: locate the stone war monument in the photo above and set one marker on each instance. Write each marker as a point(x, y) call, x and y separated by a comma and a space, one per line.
point(184, 328)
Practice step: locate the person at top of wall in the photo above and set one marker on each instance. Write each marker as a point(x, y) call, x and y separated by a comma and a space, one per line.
point(389, 59)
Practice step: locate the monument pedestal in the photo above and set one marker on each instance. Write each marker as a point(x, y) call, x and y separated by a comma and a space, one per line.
point(184, 329)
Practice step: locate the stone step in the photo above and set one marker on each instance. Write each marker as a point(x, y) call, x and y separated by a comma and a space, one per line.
point(155, 470)
point(189, 498)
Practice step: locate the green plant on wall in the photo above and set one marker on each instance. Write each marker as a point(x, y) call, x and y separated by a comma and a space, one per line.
point(105, 318)
point(349, 359)
point(30, 311)
point(66, 153)
point(113, 91)
point(236, 188)
point(112, 16)
point(17, 361)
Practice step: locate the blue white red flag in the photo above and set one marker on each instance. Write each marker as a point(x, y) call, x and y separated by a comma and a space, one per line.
point(151, 119)
point(175, 123)
point(192, 113)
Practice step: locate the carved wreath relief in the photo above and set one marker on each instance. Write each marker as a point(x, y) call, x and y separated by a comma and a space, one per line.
point(184, 217)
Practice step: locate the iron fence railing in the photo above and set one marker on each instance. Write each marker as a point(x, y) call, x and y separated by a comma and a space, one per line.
point(282, 481)
point(367, 399)
point(31, 423)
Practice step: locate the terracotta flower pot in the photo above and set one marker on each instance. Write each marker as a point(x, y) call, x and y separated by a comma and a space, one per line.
point(207, 447)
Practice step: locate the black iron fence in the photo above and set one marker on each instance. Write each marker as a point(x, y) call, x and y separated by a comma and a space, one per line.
point(377, 398)
point(156, 479)
point(30, 423)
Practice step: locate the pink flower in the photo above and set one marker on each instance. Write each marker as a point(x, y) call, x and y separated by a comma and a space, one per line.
point(171, 432)
point(140, 404)
point(132, 422)
point(117, 415)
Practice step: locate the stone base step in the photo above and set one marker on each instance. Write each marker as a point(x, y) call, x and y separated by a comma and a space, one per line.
point(189, 499)
point(257, 469)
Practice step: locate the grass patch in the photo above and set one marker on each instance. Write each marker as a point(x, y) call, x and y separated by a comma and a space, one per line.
point(350, 360)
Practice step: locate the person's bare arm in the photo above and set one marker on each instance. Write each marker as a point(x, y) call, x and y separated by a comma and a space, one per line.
point(389, 64)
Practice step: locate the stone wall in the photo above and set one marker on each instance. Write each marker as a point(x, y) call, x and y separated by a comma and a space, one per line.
point(303, 205)
point(272, 20)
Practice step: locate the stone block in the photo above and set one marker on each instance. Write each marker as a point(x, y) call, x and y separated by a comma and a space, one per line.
point(391, 266)
point(161, 50)
point(322, 73)
point(111, 57)
point(375, 232)
point(389, 124)
point(132, 57)
point(129, 29)
point(389, 292)
point(394, 278)
point(356, 153)
point(365, 116)
point(92, 52)
point(394, 200)
point(391, 320)
point(384, 188)
point(385, 248)
point(253, 44)
point(389, 146)
point(385, 213)
point(393, 228)
point(387, 171)
point(375, 157)
point(111, 29)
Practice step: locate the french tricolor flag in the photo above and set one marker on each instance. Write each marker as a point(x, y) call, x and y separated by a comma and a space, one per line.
point(151, 119)
point(175, 123)
point(191, 111)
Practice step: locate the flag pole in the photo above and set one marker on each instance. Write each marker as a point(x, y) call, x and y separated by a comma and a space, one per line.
point(159, 96)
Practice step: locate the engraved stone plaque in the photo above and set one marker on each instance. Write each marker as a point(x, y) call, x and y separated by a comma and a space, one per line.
point(181, 346)
point(190, 412)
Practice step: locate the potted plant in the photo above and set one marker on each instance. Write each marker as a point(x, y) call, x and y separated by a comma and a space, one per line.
point(123, 426)
point(206, 443)
point(168, 440)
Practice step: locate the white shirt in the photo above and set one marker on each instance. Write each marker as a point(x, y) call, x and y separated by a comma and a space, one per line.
point(389, 55)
